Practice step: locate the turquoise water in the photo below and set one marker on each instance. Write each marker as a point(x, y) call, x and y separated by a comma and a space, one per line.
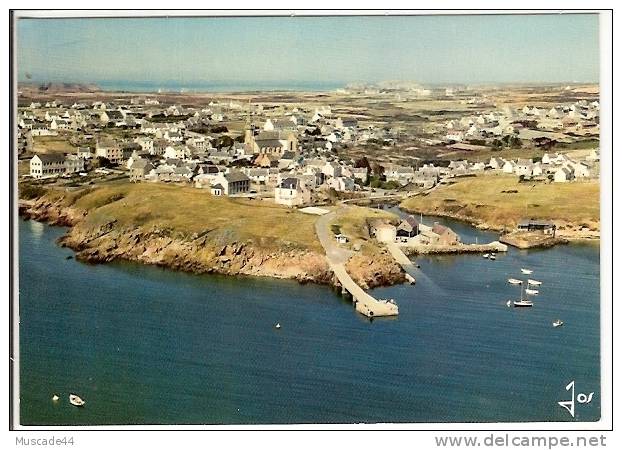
point(144, 345)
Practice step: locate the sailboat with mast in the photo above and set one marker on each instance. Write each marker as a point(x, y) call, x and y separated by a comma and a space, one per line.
point(523, 302)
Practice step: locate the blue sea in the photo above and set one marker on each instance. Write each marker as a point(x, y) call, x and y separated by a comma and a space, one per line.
point(145, 345)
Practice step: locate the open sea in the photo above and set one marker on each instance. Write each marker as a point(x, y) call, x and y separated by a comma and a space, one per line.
point(145, 345)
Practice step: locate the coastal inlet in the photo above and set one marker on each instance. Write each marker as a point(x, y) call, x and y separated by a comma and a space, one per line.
point(143, 345)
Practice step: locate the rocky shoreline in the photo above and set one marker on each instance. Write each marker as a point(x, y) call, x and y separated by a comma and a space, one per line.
point(196, 253)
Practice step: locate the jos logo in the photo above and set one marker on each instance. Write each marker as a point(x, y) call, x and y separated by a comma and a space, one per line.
point(580, 398)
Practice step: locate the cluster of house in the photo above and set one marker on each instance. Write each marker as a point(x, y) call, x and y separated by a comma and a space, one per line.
point(315, 129)
point(176, 132)
point(559, 167)
point(562, 123)
point(290, 155)
point(412, 231)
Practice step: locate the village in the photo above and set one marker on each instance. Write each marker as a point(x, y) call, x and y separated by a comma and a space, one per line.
point(301, 154)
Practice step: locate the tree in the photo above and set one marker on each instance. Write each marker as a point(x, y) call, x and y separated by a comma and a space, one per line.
point(100, 162)
point(377, 170)
point(362, 162)
point(224, 141)
point(375, 182)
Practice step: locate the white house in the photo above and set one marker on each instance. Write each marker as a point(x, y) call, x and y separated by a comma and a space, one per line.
point(233, 183)
point(342, 184)
point(496, 163)
point(593, 156)
point(146, 143)
point(84, 152)
point(331, 169)
point(563, 175)
point(536, 169)
point(292, 192)
point(524, 167)
point(47, 165)
point(177, 152)
point(581, 170)
point(401, 174)
point(509, 166)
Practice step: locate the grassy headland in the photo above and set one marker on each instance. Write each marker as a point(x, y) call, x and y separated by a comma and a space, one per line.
point(500, 201)
point(187, 211)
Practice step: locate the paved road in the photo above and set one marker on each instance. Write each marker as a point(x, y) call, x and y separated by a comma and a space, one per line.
point(337, 257)
point(334, 253)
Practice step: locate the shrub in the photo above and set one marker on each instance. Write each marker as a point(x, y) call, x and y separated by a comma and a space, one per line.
point(30, 192)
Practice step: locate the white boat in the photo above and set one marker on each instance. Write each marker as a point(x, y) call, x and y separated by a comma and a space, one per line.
point(531, 291)
point(492, 257)
point(55, 397)
point(523, 302)
point(526, 271)
point(277, 326)
point(557, 323)
point(534, 282)
point(514, 281)
point(485, 255)
point(509, 303)
point(75, 400)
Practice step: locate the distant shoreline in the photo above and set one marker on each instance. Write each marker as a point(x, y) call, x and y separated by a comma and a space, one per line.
point(170, 87)
point(149, 88)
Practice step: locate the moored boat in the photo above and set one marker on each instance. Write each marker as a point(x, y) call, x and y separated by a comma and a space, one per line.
point(485, 255)
point(523, 303)
point(534, 282)
point(76, 400)
point(514, 281)
point(557, 323)
point(532, 291)
point(526, 271)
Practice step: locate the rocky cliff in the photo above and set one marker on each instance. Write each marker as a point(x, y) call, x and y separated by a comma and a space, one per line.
point(206, 253)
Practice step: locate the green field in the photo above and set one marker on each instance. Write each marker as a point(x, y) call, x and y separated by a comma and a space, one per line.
point(187, 211)
point(52, 144)
point(482, 199)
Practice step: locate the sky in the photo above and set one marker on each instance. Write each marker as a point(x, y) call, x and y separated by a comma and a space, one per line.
point(425, 49)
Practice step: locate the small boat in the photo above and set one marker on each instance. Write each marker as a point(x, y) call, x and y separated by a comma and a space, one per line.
point(534, 282)
point(485, 255)
point(69, 257)
point(277, 326)
point(557, 323)
point(514, 281)
point(523, 303)
point(526, 271)
point(75, 400)
point(55, 398)
point(532, 291)
point(509, 303)
point(492, 257)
